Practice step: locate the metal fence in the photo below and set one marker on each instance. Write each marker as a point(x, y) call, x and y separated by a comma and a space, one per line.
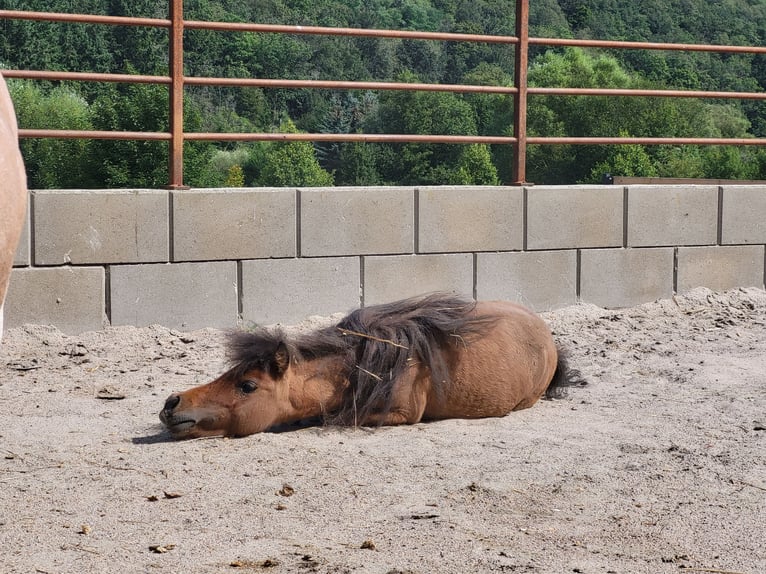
point(176, 81)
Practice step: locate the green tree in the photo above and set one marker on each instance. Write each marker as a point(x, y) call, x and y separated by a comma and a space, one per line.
point(53, 163)
point(358, 164)
point(475, 167)
point(343, 113)
point(680, 161)
point(431, 113)
point(607, 116)
point(224, 163)
point(235, 177)
point(494, 114)
point(292, 163)
point(728, 162)
point(627, 160)
point(131, 163)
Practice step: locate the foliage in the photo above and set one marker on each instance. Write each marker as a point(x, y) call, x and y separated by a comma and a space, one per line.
point(601, 116)
point(358, 164)
point(235, 177)
point(629, 160)
point(127, 163)
point(53, 163)
point(139, 50)
point(475, 167)
point(440, 113)
point(292, 163)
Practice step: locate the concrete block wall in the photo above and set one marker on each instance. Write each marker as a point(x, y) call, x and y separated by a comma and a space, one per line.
point(224, 257)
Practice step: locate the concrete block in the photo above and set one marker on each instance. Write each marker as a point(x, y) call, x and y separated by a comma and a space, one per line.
point(744, 214)
point(214, 224)
point(289, 290)
point(104, 226)
point(179, 295)
point(625, 277)
point(541, 280)
point(720, 268)
point(23, 255)
point(672, 215)
point(567, 217)
point(387, 279)
point(70, 298)
point(357, 221)
point(453, 219)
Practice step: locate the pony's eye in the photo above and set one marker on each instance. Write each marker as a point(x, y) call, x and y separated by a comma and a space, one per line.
point(248, 386)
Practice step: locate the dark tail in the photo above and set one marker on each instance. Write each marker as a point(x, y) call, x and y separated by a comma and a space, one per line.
point(563, 378)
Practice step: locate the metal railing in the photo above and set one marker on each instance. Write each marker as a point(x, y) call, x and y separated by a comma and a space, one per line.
point(176, 81)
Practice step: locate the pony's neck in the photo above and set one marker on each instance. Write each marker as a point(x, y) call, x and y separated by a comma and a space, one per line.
point(317, 387)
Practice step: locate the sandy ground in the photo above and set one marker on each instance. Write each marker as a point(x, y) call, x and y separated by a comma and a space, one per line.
point(659, 465)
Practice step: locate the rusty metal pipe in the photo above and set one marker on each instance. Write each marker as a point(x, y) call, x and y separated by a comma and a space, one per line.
point(267, 136)
point(619, 44)
point(643, 141)
point(521, 63)
point(84, 18)
point(347, 85)
point(646, 93)
point(92, 134)
point(350, 85)
point(85, 77)
point(354, 32)
point(385, 138)
point(355, 137)
point(176, 97)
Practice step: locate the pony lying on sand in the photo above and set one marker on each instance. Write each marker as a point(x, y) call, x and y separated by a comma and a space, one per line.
point(425, 358)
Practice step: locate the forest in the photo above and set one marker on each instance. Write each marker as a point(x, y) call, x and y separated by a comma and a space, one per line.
point(61, 163)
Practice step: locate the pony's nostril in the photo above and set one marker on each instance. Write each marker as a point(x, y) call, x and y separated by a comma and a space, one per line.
point(172, 402)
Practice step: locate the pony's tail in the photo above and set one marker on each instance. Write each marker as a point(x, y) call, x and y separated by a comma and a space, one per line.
point(563, 378)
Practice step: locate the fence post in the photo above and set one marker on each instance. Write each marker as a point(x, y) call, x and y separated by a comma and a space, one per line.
point(520, 101)
point(176, 103)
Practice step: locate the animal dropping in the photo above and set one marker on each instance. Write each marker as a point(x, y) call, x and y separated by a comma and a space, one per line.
point(286, 490)
point(426, 358)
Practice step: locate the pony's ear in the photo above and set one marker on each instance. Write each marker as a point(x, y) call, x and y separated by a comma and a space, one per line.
point(281, 359)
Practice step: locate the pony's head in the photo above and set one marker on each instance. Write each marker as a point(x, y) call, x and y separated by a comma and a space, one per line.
point(248, 398)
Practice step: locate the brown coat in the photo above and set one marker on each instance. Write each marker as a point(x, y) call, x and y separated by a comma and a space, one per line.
point(425, 358)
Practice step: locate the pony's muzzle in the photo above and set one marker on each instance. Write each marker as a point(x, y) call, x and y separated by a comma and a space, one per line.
point(171, 403)
point(166, 414)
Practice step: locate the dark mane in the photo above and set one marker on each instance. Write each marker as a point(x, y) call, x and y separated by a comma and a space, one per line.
point(256, 349)
point(376, 346)
point(250, 350)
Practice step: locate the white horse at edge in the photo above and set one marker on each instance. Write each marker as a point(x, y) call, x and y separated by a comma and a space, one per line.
point(13, 192)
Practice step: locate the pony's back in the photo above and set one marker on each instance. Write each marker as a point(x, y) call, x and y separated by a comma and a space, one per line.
point(390, 338)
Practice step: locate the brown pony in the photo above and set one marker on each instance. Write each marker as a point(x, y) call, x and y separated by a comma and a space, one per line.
point(13, 192)
point(431, 357)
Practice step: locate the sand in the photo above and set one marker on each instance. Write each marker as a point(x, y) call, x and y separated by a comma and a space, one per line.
point(658, 465)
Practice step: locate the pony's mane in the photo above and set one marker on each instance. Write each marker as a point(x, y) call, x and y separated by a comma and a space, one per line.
point(375, 346)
